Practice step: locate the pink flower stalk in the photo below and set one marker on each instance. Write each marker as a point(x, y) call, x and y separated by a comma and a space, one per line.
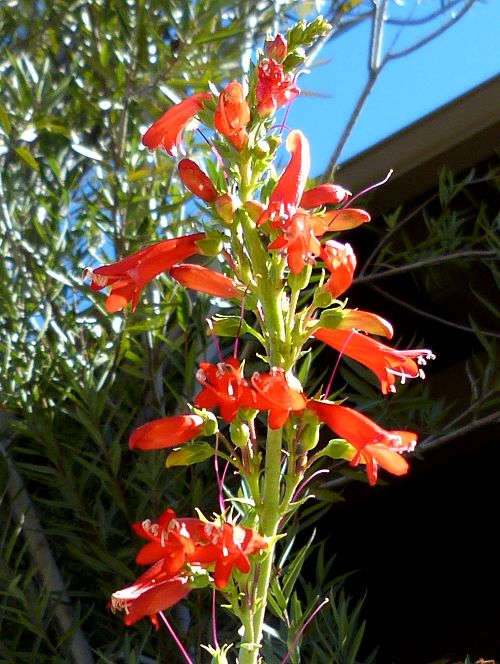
point(203, 280)
point(166, 132)
point(375, 446)
point(128, 276)
point(385, 362)
point(196, 180)
point(166, 432)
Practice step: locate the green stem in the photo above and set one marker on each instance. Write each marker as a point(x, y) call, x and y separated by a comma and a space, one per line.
point(269, 292)
point(270, 517)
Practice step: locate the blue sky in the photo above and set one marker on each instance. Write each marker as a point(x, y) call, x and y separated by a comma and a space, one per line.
point(407, 89)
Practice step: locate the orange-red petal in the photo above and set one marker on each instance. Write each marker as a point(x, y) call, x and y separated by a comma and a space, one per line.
point(166, 432)
point(204, 280)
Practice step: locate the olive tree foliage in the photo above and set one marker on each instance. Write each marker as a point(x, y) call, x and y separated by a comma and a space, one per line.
point(80, 82)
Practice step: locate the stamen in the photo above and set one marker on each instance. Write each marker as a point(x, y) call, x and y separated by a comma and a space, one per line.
point(183, 531)
point(146, 524)
point(98, 279)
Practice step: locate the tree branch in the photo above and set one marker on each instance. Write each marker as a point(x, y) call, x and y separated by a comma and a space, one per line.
point(430, 37)
point(426, 262)
point(38, 546)
point(425, 19)
point(350, 124)
point(426, 314)
point(427, 444)
point(394, 230)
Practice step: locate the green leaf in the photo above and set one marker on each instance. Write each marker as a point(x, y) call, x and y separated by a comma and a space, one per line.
point(189, 454)
point(4, 120)
point(27, 157)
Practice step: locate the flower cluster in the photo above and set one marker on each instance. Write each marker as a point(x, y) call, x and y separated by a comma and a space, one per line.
point(177, 549)
point(270, 232)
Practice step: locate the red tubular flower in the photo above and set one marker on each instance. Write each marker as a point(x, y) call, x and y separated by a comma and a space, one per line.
point(274, 87)
point(167, 131)
point(230, 547)
point(324, 194)
point(153, 591)
point(203, 280)
point(278, 393)
point(341, 261)
point(339, 220)
point(232, 115)
point(289, 189)
point(174, 541)
point(366, 321)
point(385, 362)
point(166, 432)
point(225, 387)
point(196, 180)
point(277, 48)
point(299, 242)
point(128, 276)
point(375, 445)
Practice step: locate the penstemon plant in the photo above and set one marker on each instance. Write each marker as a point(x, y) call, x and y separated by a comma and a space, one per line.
point(270, 232)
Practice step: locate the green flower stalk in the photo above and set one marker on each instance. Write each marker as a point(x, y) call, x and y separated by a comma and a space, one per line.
point(269, 236)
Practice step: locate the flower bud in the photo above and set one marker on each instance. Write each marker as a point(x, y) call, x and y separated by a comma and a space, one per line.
point(210, 245)
point(211, 424)
point(254, 209)
point(225, 207)
point(277, 48)
point(232, 115)
point(240, 433)
point(322, 299)
point(196, 180)
point(310, 437)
